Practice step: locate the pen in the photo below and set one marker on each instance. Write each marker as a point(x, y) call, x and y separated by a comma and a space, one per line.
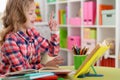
point(76, 50)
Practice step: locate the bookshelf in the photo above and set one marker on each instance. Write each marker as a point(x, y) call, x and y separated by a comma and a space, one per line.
point(75, 10)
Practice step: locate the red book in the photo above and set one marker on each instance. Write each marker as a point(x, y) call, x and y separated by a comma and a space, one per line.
point(53, 77)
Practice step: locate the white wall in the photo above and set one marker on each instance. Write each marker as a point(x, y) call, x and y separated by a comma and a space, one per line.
point(2, 8)
point(2, 5)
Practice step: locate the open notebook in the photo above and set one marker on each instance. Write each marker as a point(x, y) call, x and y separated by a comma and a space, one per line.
point(95, 54)
point(44, 69)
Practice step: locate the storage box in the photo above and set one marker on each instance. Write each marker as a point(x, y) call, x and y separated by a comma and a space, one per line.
point(103, 7)
point(75, 21)
point(73, 41)
point(108, 17)
point(51, 1)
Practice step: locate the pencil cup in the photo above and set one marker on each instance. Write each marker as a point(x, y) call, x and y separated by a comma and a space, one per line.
point(78, 60)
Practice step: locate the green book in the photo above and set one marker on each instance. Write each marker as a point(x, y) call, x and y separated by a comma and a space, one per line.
point(64, 18)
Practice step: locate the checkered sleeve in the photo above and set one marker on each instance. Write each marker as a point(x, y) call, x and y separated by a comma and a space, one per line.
point(37, 65)
point(4, 67)
point(52, 45)
point(12, 56)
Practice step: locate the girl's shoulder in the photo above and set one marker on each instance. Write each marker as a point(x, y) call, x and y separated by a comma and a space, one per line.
point(11, 35)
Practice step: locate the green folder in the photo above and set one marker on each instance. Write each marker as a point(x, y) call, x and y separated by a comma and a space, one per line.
point(63, 37)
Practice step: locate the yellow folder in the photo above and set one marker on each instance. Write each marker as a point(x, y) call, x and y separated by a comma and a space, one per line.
point(95, 54)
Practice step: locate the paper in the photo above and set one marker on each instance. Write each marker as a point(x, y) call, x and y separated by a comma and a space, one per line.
point(55, 70)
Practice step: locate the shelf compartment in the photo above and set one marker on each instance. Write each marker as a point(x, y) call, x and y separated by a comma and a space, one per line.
point(74, 31)
point(62, 14)
point(106, 33)
point(64, 55)
point(75, 9)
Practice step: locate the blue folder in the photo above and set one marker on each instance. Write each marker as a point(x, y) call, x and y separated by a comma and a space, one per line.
point(39, 75)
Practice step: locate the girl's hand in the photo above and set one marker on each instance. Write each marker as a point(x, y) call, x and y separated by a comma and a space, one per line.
point(55, 62)
point(52, 23)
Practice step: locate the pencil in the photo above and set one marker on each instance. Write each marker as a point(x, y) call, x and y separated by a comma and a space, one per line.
point(74, 50)
point(86, 49)
point(81, 51)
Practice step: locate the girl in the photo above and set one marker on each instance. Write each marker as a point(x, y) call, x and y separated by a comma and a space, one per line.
point(21, 43)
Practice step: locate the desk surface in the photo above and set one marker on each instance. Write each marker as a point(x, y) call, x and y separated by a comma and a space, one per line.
point(109, 74)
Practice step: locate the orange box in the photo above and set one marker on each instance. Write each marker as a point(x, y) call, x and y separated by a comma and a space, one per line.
point(103, 7)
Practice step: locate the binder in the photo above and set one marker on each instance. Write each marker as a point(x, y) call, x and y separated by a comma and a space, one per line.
point(85, 11)
point(91, 12)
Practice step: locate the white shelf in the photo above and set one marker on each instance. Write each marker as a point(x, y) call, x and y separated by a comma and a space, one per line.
point(107, 26)
point(102, 31)
point(62, 2)
point(112, 56)
point(77, 26)
point(74, 0)
point(63, 49)
point(51, 3)
point(90, 26)
point(63, 25)
point(41, 23)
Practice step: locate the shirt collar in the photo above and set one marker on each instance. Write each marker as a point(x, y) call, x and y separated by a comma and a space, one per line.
point(29, 37)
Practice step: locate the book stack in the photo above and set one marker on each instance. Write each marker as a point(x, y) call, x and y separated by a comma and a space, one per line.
point(24, 75)
point(45, 73)
point(62, 16)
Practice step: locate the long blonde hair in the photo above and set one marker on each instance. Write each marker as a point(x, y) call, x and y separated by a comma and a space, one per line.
point(14, 16)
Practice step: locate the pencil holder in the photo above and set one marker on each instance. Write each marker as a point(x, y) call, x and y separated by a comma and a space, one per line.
point(78, 60)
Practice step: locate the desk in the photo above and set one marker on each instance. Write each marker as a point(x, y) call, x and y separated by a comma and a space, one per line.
point(109, 74)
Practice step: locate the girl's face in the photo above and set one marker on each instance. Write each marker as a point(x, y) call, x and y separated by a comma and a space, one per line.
point(31, 16)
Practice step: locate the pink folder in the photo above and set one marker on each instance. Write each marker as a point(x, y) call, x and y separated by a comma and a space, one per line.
point(91, 12)
point(85, 12)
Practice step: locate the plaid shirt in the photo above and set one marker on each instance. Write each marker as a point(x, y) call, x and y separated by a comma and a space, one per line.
point(21, 51)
